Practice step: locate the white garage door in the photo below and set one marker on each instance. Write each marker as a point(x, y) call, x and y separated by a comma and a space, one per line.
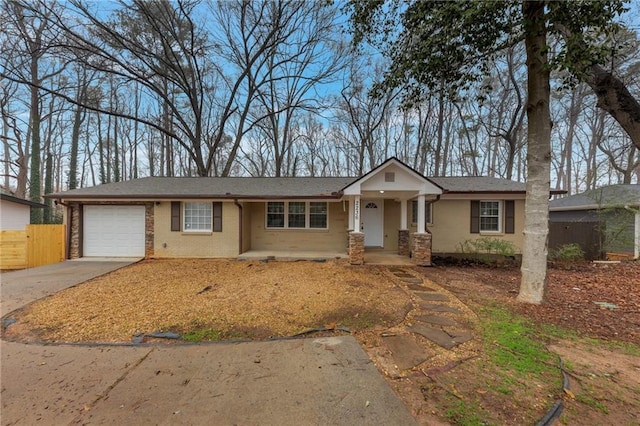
point(113, 231)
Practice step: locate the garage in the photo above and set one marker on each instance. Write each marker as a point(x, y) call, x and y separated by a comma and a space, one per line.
point(113, 231)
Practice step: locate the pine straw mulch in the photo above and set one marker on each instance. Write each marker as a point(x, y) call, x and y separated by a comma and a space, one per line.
point(234, 299)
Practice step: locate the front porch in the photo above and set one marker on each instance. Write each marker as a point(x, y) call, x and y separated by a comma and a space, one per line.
point(379, 212)
point(372, 256)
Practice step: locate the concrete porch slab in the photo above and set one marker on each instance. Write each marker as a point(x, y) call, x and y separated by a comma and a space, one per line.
point(289, 255)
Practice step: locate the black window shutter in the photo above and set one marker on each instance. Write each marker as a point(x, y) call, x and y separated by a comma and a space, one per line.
point(175, 215)
point(475, 217)
point(509, 216)
point(217, 216)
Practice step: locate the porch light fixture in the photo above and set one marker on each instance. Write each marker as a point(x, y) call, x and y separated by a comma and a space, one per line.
point(381, 191)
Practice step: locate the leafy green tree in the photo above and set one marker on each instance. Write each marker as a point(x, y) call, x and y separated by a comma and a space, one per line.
point(449, 44)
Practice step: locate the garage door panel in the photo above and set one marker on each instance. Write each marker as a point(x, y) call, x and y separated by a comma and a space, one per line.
point(114, 231)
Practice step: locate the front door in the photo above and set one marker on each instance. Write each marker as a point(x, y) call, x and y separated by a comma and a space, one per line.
point(372, 223)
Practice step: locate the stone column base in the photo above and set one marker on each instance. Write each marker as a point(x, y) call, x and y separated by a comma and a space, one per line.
point(356, 248)
point(403, 242)
point(75, 213)
point(422, 249)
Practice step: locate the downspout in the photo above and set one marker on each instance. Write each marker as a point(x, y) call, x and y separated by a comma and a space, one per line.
point(432, 203)
point(67, 246)
point(240, 239)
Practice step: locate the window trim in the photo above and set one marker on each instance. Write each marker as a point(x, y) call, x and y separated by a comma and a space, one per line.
point(307, 216)
point(428, 212)
point(500, 217)
point(184, 218)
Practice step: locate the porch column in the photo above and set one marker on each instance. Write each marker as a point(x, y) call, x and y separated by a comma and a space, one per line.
point(356, 213)
point(403, 214)
point(356, 248)
point(351, 213)
point(422, 248)
point(403, 232)
point(421, 214)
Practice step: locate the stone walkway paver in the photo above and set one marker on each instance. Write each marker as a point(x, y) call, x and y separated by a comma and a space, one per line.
point(432, 318)
point(407, 352)
point(432, 297)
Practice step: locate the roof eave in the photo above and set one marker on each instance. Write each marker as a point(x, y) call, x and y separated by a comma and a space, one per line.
point(22, 201)
point(153, 197)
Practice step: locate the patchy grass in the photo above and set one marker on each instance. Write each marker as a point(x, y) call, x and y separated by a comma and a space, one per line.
point(203, 334)
point(514, 381)
point(464, 413)
point(511, 342)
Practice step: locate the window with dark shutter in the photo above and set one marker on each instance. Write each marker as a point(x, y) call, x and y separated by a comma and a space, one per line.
point(509, 216)
point(475, 217)
point(217, 216)
point(175, 216)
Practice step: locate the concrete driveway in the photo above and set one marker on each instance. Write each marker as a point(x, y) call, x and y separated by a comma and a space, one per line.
point(304, 381)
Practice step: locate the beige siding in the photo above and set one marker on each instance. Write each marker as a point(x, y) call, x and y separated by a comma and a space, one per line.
point(332, 239)
point(185, 244)
point(452, 223)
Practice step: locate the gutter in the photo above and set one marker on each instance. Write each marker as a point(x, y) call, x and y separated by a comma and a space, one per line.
point(240, 239)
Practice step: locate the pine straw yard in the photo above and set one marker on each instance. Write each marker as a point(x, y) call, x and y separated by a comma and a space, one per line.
point(220, 299)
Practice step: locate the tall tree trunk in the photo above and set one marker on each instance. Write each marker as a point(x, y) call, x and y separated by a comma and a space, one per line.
point(7, 152)
point(78, 118)
point(438, 154)
point(34, 119)
point(536, 221)
point(103, 176)
point(116, 152)
point(48, 188)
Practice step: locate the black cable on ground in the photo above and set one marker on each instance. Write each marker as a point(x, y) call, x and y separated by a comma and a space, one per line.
point(557, 408)
point(320, 329)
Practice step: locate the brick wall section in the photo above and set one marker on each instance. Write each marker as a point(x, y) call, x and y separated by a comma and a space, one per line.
point(74, 237)
point(403, 242)
point(74, 243)
point(422, 249)
point(148, 230)
point(356, 248)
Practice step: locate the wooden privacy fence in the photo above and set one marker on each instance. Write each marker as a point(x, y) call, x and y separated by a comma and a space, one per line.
point(36, 246)
point(588, 235)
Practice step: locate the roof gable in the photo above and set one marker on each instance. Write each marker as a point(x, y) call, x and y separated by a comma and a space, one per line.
point(393, 175)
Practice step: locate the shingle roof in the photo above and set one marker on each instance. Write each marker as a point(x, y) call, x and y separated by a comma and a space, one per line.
point(482, 184)
point(214, 187)
point(606, 196)
point(264, 187)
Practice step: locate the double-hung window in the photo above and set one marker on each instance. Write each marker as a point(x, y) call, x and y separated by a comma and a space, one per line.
point(317, 215)
point(297, 215)
point(275, 214)
point(428, 207)
point(493, 216)
point(490, 216)
point(197, 217)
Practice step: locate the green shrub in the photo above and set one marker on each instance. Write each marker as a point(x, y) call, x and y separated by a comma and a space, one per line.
point(487, 250)
point(568, 253)
point(488, 245)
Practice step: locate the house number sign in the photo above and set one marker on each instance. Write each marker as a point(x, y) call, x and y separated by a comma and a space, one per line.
point(356, 210)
